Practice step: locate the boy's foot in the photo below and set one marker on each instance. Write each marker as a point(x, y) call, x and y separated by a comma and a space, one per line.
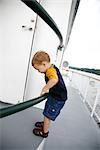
point(39, 132)
point(39, 124)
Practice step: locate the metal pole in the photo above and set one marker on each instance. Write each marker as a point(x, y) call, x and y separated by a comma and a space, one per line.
point(96, 101)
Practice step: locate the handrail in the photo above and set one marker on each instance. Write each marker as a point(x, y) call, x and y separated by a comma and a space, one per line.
point(84, 74)
point(37, 8)
point(90, 92)
point(21, 106)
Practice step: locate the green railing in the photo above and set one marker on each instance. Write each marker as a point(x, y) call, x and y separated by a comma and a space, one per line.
point(37, 8)
point(21, 106)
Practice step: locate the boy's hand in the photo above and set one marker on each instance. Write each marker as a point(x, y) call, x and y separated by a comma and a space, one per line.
point(49, 85)
point(44, 91)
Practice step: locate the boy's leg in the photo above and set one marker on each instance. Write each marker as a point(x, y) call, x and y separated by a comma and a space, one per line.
point(43, 132)
point(46, 124)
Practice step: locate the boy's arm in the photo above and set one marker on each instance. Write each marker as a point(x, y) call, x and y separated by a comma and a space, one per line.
point(49, 85)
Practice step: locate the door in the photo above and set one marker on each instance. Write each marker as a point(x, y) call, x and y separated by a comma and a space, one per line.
point(17, 24)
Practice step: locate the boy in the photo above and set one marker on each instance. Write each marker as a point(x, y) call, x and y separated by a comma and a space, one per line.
point(57, 92)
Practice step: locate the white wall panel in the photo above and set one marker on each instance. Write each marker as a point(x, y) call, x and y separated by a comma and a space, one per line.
point(45, 39)
point(15, 46)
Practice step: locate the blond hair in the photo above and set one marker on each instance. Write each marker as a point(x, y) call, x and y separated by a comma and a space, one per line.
point(39, 57)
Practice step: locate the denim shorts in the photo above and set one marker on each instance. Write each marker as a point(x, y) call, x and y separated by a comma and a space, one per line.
point(52, 108)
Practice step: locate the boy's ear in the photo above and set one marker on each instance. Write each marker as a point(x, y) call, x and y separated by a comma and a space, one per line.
point(44, 63)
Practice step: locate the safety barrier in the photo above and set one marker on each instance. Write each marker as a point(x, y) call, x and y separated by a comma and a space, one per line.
point(88, 85)
point(21, 106)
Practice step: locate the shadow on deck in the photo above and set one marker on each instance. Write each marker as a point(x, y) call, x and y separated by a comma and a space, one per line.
point(74, 129)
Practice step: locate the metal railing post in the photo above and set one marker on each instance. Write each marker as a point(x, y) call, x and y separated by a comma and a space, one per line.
point(96, 101)
point(87, 86)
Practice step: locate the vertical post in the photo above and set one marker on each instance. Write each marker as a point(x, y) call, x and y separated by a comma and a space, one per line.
point(71, 75)
point(96, 100)
point(87, 86)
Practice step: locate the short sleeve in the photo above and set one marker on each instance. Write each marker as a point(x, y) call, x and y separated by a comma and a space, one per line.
point(51, 73)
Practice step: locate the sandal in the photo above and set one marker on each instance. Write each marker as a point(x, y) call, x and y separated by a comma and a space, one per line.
point(39, 124)
point(39, 132)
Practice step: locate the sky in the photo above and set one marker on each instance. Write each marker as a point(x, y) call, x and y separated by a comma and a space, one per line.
point(83, 49)
point(83, 55)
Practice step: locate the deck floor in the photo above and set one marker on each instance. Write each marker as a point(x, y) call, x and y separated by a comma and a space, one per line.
point(74, 129)
point(16, 130)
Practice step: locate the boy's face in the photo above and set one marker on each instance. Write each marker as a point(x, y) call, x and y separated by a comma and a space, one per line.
point(41, 67)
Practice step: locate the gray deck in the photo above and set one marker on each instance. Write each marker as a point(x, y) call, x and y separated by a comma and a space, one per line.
point(16, 130)
point(74, 129)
